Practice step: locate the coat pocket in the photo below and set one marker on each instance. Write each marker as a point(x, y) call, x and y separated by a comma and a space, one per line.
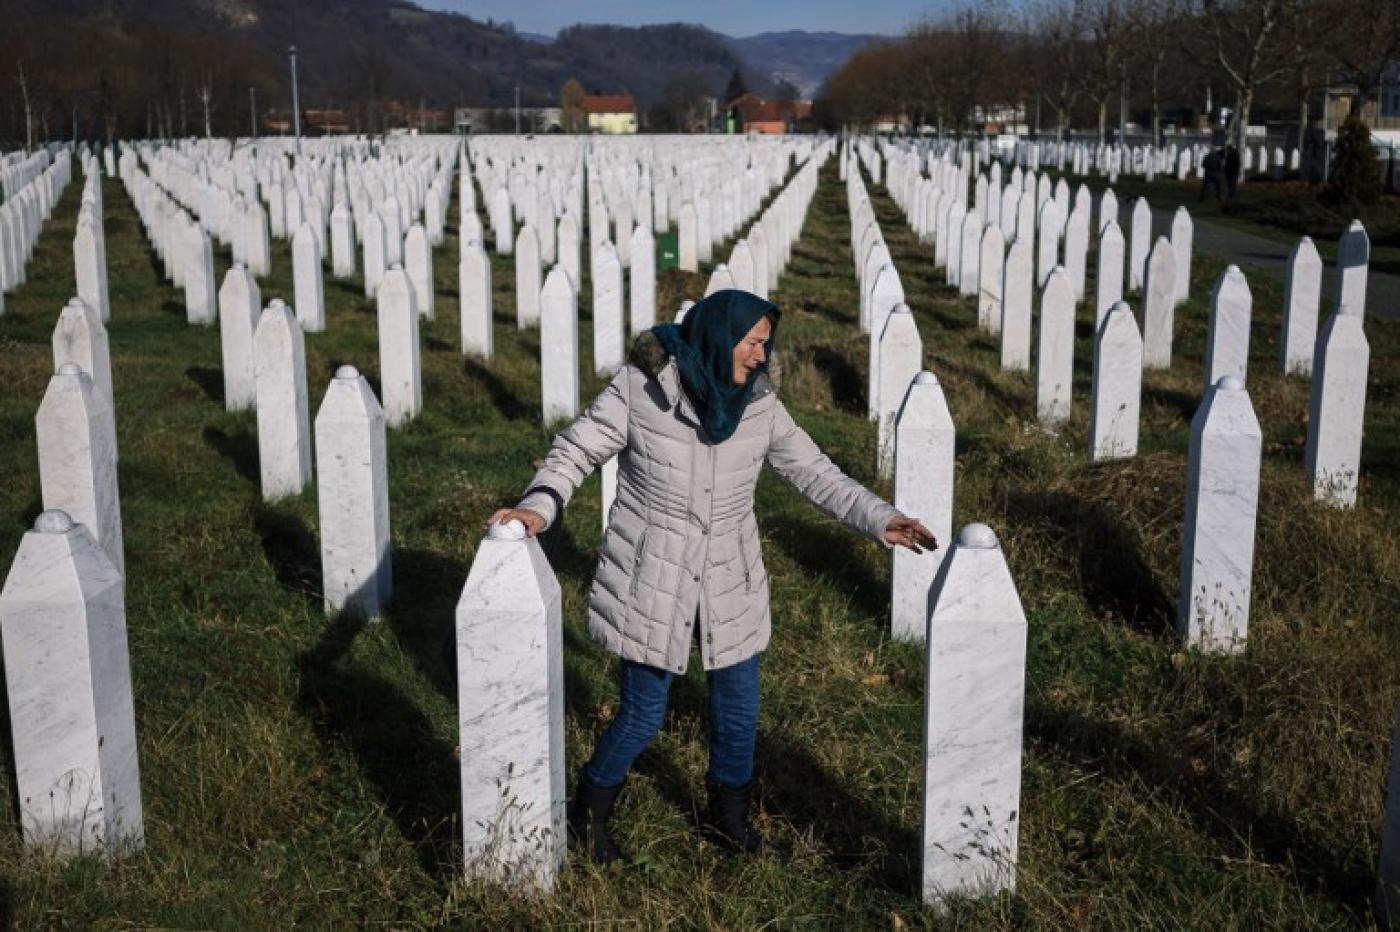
point(637, 561)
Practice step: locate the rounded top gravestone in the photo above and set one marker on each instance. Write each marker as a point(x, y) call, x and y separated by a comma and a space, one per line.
point(1230, 382)
point(977, 537)
point(925, 378)
point(347, 372)
point(53, 521)
point(506, 530)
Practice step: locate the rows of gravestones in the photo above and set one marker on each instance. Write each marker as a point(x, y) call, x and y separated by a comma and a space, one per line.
point(1179, 160)
point(1046, 255)
point(189, 196)
point(32, 184)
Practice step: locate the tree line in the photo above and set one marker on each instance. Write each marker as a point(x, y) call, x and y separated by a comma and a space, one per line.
point(1083, 65)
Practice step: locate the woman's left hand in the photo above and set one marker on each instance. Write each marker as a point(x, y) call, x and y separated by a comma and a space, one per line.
point(908, 532)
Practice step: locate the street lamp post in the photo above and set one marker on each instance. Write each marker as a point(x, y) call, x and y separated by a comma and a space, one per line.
point(296, 100)
point(253, 110)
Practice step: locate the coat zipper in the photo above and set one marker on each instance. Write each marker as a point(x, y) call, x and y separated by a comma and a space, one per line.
point(744, 555)
point(637, 561)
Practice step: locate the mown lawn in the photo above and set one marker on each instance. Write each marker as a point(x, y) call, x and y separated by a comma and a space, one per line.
point(300, 772)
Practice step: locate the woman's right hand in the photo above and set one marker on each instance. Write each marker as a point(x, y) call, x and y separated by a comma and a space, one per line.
point(533, 520)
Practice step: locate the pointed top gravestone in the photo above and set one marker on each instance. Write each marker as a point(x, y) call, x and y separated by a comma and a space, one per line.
point(1353, 260)
point(1117, 387)
point(352, 489)
point(1017, 288)
point(306, 273)
point(1109, 285)
point(79, 337)
point(923, 488)
point(1159, 306)
point(1336, 410)
point(1222, 498)
point(900, 358)
point(418, 263)
point(474, 301)
point(559, 367)
point(1227, 331)
point(68, 682)
point(510, 697)
point(240, 302)
point(400, 360)
point(974, 696)
point(1302, 294)
point(284, 429)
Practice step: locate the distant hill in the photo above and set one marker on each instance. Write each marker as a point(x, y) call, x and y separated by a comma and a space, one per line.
point(804, 58)
point(138, 65)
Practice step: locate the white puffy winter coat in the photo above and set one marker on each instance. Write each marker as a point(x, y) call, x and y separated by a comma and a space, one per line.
point(682, 544)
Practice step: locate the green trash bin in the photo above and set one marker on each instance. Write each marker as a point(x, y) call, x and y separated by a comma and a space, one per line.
point(668, 254)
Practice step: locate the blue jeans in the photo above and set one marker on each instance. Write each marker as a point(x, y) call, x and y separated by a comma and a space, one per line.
point(733, 723)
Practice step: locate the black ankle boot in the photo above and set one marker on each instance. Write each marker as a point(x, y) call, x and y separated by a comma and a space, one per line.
point(729, 816)
point(588, 813)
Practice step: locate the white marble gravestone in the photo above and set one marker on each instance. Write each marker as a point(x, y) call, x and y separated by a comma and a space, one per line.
point(400, 362)
point(1109, 284)
point(1077, 247)
point(306, 274)
point(1302, 294)
point(1227, 331)
point(741, 266)
point(609, 342)
point(1388, 867)
point(474, 303)
point(1141, 243)
point(352, 488)
point(559, 374)
point(68, 682)
point(376, 255)
point(970, 254)
point(720, 280)
point(687, 234)
point(1183, 235)
point(79, 337)
point(1222, 498)
point(342, 241)
point(77, 444)
point(1353, 260)
point(527, 278)
point(284, 421)
point(1054, 363)
point(510, 697)
point(1159, 306)
point(1048, 243)
point(1117, 390)
point(201, 302)
point(901, 355)
point(259, 244)
point(90, 267)
point(240, 302)
point(1017, 288)
point(923, 488)
point(974, 699)
point(1336, 410)
point(990, 269)
point(418, 263)
point(642, 280)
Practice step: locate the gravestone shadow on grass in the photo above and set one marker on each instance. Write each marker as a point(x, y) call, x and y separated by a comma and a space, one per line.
point(848, 384)
point(422, 614)
point(825, 551)
point(210, 381)
point(1184, 403)
point(392, 741)
point(505, 400)
point(1171, 773)
point(1114, 575)
point(241, 449)
point(292, 551)
point(795, 786)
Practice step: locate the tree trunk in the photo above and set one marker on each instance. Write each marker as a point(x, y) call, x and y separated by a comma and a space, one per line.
point(1103, 121)
point(28, 109)
point(1246, 101)
point(1156, 105)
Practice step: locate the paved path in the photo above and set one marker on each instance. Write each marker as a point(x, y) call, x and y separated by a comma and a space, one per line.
point(1246, 249)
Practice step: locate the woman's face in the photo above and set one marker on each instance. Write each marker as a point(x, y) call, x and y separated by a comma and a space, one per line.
point(751, 353)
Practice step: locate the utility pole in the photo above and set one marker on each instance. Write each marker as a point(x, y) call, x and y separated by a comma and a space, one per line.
point(253, 110)
point(517, 109)
point(296, 100)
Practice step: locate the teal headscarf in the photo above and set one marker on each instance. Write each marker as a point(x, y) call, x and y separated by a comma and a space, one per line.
point(703, 347)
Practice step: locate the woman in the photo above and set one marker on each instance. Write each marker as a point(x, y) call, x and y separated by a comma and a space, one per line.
point(692, 418)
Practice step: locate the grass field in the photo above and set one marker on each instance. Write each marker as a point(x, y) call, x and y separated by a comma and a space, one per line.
point(301, 772)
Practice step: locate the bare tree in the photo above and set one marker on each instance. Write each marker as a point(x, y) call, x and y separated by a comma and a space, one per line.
point(205, 92)
point(1366, 43)
point(1243, 38)
point(1108, 31)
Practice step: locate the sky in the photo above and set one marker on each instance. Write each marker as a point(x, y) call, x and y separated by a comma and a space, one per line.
point(734, 17)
